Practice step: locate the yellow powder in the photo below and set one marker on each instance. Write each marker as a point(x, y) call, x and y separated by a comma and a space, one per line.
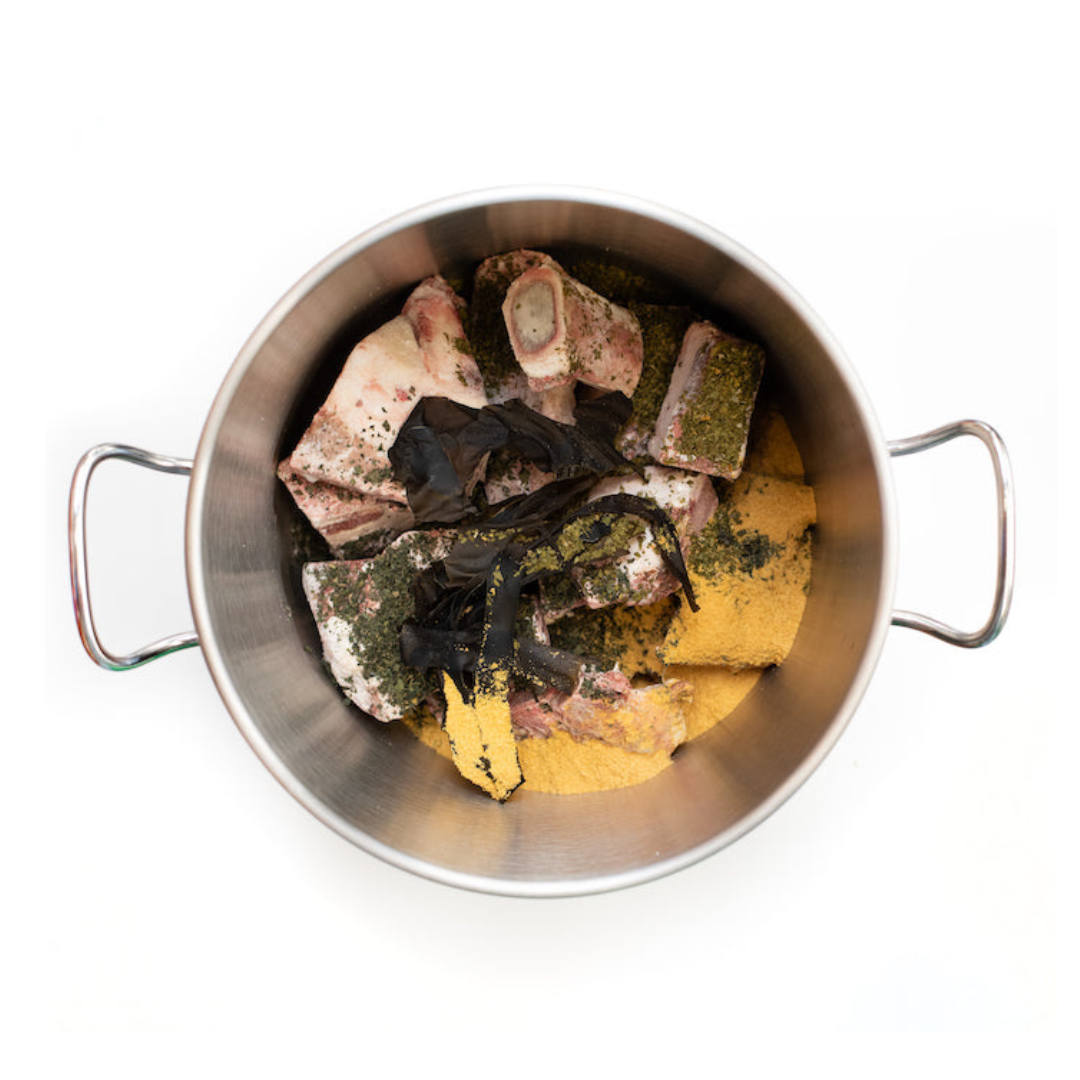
point(772, 450)
point(717, 692)
point(633, 632)
point(481, 738)
point(426, 728)
point(743, 620)
point(749, 617)
point(560, 766)
point(771, 505)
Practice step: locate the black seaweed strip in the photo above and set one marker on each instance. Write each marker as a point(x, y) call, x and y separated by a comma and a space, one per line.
point(442, 445)
point(438, 451)
point(503, 593)
point(425, 647)
point(547, 665)
point(537, 507)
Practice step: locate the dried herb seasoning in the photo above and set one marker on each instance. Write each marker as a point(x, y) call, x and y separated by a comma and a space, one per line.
point(715, 428)
point(662, 328)
point(725, 546)
point(617, 281)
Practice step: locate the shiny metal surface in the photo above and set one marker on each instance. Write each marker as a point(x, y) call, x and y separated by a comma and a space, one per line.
point(373, 783)
point(1006, 532)
point(80, 575)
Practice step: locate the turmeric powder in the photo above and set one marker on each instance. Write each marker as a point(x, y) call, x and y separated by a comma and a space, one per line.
point(480, 738)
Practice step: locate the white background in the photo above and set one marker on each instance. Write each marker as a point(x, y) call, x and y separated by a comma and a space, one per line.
point(168, 174)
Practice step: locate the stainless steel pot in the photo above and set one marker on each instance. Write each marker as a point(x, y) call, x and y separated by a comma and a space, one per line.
point(373, 783)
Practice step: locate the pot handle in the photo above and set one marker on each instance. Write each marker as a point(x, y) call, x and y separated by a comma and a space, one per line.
point(1006, 564)
point(80, 589)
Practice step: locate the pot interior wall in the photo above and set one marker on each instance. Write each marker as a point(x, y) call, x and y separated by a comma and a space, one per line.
point(373, 782)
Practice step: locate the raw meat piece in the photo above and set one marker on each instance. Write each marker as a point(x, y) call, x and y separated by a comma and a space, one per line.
point(504, 379)
point(688, 498)
point(508, 475)
point(641, 576)
point(531, 622)
point(434, 311)
point(608, 708)
point(705, 419)
point(421, 353)
point(346, 519)
point(662, 330)
point(561, 331)
point(559, 597)
point(533, 716)
point(359, 606)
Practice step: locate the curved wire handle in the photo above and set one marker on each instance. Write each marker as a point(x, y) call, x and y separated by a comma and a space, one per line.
point(80, 587)
point(1006, 565)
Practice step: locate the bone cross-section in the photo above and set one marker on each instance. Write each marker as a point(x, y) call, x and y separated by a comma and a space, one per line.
point(561, 330)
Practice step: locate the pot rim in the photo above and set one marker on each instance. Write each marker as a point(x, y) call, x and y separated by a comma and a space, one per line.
point(195, 526)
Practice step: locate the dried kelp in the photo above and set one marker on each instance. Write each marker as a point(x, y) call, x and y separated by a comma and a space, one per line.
point(443, 445)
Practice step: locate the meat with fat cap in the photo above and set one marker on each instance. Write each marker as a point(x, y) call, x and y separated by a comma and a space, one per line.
point(704, 421)
point(353, 520)
point(420, 353)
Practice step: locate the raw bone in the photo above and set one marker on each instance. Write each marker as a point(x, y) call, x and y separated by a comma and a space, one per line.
point(421, 353)
point(343, 517)
point(561, 330)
